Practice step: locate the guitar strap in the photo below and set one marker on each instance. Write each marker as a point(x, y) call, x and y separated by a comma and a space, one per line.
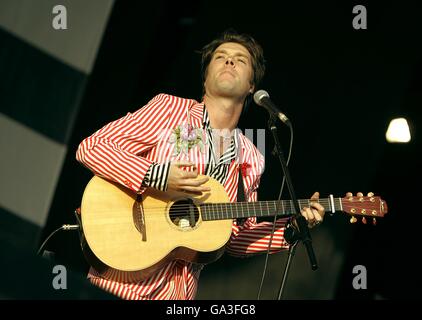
point(240, 196)
point(240, 189)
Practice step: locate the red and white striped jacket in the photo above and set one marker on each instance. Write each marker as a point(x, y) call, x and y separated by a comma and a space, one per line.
point(123, 151)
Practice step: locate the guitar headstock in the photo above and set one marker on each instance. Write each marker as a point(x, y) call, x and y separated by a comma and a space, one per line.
point(366, 207)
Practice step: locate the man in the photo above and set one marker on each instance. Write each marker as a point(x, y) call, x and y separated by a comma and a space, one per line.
point(149, 149)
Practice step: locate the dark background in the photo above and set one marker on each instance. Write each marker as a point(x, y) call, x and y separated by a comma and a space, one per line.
point(339, 86)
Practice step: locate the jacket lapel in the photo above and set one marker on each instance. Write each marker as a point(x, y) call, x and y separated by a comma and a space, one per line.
point(196, 113)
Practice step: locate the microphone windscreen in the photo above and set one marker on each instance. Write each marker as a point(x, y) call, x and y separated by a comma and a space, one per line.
point(257, 97)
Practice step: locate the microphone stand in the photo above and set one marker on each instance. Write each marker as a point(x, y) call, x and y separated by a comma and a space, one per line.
point(302, 230)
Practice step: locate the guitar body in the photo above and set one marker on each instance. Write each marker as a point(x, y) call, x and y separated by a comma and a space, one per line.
point(137, 235)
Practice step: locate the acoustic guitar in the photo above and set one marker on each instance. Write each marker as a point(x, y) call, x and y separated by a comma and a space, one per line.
point(138, 234)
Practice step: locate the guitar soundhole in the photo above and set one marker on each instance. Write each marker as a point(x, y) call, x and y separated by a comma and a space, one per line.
point(184, 214)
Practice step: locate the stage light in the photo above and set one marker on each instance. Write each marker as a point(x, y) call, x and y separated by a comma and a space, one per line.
point(398, 131)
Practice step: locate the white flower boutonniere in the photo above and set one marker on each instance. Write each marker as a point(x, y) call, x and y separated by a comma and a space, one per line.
point(185, 137)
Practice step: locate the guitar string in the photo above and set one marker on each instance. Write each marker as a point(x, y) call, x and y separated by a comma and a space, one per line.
point(260, 204)
point(254, 205)
point(273, 202)
point(217, 210)
point(285, 202)
point(225, 207)
point(265, 212)
point(238, 214)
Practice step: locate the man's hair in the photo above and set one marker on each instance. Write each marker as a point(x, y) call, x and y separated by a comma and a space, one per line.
point(230, 35)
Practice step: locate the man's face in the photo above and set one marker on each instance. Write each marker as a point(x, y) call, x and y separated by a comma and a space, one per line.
point(230, 71)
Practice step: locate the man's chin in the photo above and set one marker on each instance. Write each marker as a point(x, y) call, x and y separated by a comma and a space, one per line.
point(227, 92)
point(227, 87)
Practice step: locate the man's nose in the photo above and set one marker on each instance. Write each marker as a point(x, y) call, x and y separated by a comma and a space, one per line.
point(229, 61)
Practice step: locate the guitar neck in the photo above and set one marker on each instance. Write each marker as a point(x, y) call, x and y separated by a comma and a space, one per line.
point(223, 211)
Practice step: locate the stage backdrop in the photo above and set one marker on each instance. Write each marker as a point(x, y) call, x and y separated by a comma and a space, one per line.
point(42, 79)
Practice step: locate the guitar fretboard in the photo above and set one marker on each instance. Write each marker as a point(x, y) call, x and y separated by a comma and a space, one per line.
point(222, 211)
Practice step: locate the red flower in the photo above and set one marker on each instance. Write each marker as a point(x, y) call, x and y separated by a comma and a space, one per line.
point(244, 167)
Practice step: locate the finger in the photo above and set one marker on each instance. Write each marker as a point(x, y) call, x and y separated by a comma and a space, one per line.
point(195, 193)
point(315, 196)
point(194, 182)
point(183, 163)
point(308, 214)
point(189, 174)
point(313, 217)
point(195, 190)
point(318, 216)
point(318, 207)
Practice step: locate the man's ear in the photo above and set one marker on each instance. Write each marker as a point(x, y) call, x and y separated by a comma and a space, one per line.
point(252, 89)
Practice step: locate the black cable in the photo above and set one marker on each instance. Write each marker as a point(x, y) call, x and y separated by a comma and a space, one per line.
point(275, 217)
point(65, 227)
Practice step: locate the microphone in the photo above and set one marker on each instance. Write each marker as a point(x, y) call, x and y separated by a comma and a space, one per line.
point(262, 98)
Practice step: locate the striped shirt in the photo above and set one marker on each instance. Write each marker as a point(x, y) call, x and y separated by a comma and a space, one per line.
point(136, 147)
point(217, 168)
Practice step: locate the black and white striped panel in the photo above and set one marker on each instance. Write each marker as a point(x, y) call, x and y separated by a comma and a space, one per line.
point(43, 73)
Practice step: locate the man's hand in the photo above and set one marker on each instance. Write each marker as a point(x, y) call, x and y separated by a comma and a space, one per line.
point(315, 213)
point(185, 181)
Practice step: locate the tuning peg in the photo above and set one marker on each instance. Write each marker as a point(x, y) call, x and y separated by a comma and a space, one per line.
point(353, 219)
point(370, 194)
point(363, 220)
point(374, 221)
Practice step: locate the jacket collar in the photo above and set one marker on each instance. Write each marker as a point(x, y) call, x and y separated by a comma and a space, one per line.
point(196, 112)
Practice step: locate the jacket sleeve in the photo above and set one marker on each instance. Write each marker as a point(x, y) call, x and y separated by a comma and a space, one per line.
point(252, 237)
point(113, 152)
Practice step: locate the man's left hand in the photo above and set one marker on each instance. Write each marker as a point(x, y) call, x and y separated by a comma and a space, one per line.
point(315, 213)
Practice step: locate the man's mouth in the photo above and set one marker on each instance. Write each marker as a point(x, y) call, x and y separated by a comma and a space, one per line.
point(228, 71)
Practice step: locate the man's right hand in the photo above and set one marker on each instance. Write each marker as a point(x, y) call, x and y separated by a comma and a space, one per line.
point(185, 181)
